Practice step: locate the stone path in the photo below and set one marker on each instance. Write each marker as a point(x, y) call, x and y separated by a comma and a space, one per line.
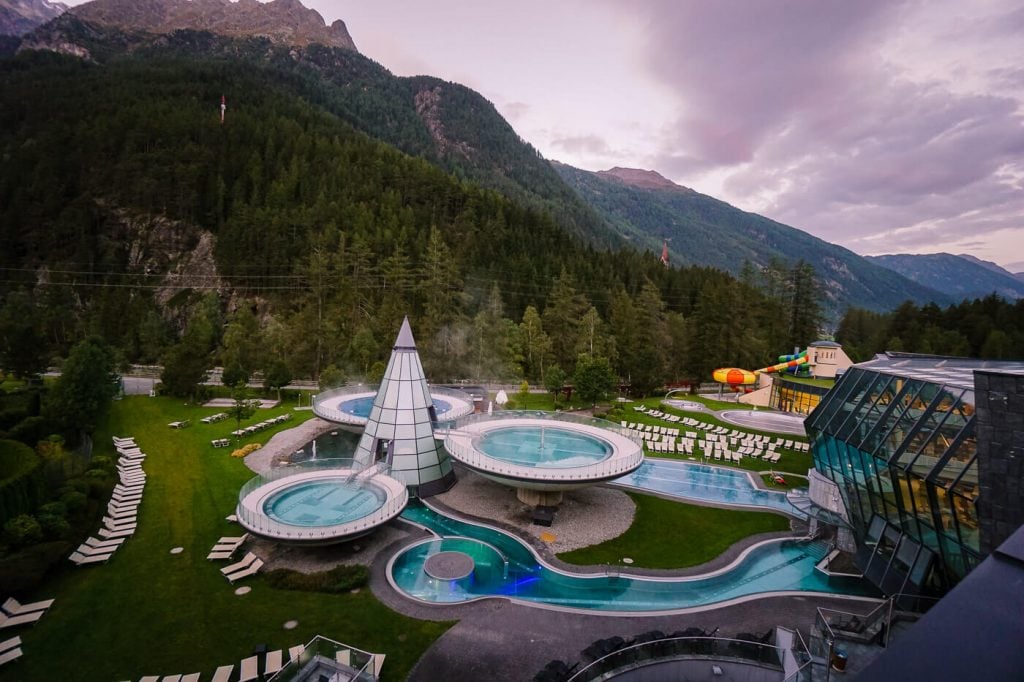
point(286, 442)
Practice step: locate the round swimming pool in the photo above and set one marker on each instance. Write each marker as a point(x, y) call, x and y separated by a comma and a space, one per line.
point(543, 446)
point(361, 406)
point(323, 502)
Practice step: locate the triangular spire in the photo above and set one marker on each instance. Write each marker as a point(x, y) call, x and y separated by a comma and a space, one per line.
point(405, 340)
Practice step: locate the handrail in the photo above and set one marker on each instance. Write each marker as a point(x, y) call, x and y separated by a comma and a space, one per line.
point(331, 414)
point(766, 655)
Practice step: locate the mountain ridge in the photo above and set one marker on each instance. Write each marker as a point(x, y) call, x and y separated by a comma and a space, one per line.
point(18, 17)
point(287, 22)
point(962, 277)
point(704, 230)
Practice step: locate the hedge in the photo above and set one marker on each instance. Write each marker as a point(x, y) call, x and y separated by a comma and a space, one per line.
point(22, 480)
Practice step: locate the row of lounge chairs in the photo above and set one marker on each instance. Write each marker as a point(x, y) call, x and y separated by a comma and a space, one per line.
point(122, 510)
point(256, 428)
point(249, 668)
point(214, 418)
point(13, 613)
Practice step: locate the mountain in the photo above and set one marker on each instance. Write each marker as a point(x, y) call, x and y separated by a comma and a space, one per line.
point(959, 276)
point(445, 123)
point(1013, 270)
point(18, 17)
point(287, 22)
point(701, 230)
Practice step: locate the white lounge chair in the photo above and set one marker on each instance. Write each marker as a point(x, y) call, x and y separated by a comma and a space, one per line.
point(121, 523)
point(253, 569)
point(221, 555)
point(249, 669)
point(10, 621)
point(244, 563)
point(111, 534)
point(272, 663)
point(86, 550)
point(171, 678)
point(11, 655)
point(233, 539)
point(82, 560)
point(12, 608)
point(10, 644)
point(295, 651)
point(191, 677)
point(223, 673)
point(150, 678)
point(96, 543)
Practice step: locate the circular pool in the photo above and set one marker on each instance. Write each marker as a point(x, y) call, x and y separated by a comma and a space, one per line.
point(323, 502)
point(352, 404)
point(318, 503)
point(544, 451)
point(543, 446)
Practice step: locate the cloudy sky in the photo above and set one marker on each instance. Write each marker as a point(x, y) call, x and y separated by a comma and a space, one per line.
point(882, 125)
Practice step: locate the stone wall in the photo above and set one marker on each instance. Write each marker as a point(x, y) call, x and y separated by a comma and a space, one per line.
point(999, 400)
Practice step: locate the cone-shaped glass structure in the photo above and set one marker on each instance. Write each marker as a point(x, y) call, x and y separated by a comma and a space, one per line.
point(400, 430)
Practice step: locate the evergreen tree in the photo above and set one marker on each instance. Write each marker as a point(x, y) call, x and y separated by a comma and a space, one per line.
point(23, 347)
point(85, 388)
point(593, 379)
point(536, 345)
point(562, 314)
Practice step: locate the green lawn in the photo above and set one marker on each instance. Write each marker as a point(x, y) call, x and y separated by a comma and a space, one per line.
point(811, 381)
point(148, 612)
point(667, 534)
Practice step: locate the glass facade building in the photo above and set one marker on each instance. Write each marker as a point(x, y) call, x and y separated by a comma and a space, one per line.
point(795, 396)
point(898, 435)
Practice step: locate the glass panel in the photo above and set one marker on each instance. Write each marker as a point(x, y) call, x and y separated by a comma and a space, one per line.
point(967, 519)
point(851, 392)
point(962, 452)
point(896, 437)
point(854, 422)
point(885, 400)
point(918, 442)
point(876, 442)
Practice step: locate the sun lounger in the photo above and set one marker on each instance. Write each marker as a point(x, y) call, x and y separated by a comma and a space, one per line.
point(221, 555)
point(10, 621)
point(111, 534)
point(120, 523)
point(11, 643)
point(245, 573)
point(81, 559)
point(115, 507)
point(272, 663)
point(9, 656)
point(121, 441)
point(12, 608)
point(171, 678)
point(233, 539)
point(249, 669)
point(86, 550)
point(244, 563)
point(223, 673)
point(295, 651)
point(100, 544)
point(191, 677)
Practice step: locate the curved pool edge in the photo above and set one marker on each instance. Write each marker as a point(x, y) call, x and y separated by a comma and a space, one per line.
point(406, 547)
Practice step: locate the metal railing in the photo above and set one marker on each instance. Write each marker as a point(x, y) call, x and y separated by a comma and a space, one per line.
point(682, 648)
point(460, 444)
point(356, 664)
point(255, 520)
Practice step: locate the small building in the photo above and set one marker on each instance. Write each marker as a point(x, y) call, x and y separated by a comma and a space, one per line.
point(827, 359)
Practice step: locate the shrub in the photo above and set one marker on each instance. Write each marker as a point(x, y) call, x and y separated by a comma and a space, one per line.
point(21, 572)
point(246, 450)
point(23, 530)
point(54, 527)
point(31, 430)
point(12, 416)
point(102, 462)
point(100, 474)
point(74, 500)
point(54, 509)
point(338, 579)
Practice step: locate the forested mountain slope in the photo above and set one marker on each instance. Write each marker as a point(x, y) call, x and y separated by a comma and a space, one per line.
point(958, 276)
point(702, 229)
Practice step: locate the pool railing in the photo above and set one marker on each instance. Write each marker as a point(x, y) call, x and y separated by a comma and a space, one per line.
point(256, 519)
point(335, 415)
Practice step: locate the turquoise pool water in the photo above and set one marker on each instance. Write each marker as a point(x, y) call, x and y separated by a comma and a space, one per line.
point(506, 568)
point(324, 502)
point(543, 447)
point(360, 407)
point(704, 483)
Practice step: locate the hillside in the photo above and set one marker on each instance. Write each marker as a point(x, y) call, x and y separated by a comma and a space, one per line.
point(702, 229)
point(959, 276)
point(445, 123)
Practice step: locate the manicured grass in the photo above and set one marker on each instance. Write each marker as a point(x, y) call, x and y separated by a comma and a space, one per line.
point(148, 612)
point(667, 534)
point(542, 401)
point(811, 381)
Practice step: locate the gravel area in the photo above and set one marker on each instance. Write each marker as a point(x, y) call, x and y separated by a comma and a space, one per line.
point(586, 517)
point(285, 443)
point(313, 559)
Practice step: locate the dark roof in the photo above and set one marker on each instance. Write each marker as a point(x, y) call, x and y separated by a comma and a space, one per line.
point(973, 633)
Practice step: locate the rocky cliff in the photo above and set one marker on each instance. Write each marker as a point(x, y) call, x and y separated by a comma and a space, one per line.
point(287, 22)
